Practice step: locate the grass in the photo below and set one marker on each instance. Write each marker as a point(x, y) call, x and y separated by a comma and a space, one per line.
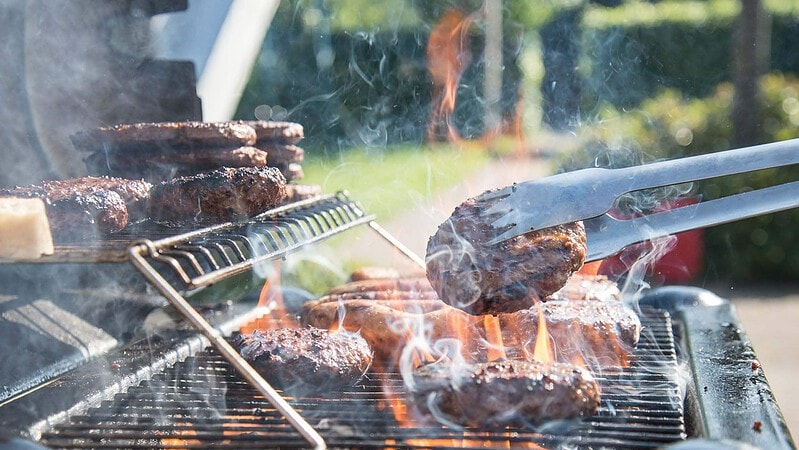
point(386, 181)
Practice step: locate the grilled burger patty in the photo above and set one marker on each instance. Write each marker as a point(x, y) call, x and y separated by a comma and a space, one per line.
point(479, 278)
point(602, 334)
point(217, 196)
point(504, 392)
point(87, 206)
point(165, 136)
point(305, 360)
point(269, 131)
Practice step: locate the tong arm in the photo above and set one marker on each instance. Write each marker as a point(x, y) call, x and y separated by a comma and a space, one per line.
point(587, 193)
point(607, 235)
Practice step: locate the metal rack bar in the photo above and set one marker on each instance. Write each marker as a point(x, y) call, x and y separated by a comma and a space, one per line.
point(220, 344)
point(280, 232)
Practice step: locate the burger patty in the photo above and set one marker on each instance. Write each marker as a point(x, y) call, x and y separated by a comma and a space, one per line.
point(164, 136)
point(306, 360)
point(503, 392)
point(87, 207)
point(387, 285)
point(291, 171)
point(601, 333)
point(480, 278)
point(299, 192)
point(269, 131)
point(217, 196)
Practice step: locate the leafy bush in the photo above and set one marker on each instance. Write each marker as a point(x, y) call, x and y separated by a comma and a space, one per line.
point(765, 248)
point(635, 50)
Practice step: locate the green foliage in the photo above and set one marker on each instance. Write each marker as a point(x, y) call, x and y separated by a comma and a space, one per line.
point(668, 126)
point(312, 273)
point(355, 15)
point(647, 14)
point(635, 50)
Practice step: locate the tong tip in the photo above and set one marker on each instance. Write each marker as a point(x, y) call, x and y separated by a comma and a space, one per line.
point(504, 236)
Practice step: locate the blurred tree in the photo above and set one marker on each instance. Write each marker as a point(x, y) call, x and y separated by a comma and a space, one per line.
point(560, 88)
point(752, 50)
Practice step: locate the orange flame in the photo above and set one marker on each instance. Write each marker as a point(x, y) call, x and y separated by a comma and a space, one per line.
point(496, 348)
point(271, 300)
point(448, 55)
point(542, 351)
point(181, 437)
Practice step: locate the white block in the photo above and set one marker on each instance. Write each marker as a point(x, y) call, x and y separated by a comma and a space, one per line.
point(24, 229)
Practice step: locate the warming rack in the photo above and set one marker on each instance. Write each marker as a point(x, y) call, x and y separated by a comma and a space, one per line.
point(178, 266)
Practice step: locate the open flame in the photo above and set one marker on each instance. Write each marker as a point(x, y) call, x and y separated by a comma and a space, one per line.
point(270, 300)
point(496, 348)
point(448, 55)
point(542, 350)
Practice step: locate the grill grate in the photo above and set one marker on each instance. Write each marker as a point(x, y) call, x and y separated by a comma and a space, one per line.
point(202, 402)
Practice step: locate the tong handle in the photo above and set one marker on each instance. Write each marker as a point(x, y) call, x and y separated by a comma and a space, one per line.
point(587, 193)
point(711, 165)
point(607, 236)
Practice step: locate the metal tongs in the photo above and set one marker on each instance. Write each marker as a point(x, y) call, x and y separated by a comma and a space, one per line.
point(589, 195)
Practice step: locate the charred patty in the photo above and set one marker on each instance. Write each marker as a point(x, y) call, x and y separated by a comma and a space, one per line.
point(480, 278)
point(217, 196)
point(306, 360)
point(504, 392)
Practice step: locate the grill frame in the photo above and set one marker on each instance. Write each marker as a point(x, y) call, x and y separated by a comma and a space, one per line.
point(729, 394)
point(706, 327)
point(698, 318)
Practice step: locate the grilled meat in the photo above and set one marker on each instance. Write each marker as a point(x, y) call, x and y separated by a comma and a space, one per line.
point(87, 206)
point(217, 196)
point(504, 392)
point(282, 154)
point(388, 325)
point(164, 150)
point(197, 159)
point(281, 132)
point(479, 278)
point(164, 136)
point(87, 215)
point(292, 171)
point(373, 273)
point(297, 192)
point(410, 284)
point(306, 360)
point(600, 333)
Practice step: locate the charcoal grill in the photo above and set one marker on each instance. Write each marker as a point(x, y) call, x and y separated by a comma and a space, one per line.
point(693, 375)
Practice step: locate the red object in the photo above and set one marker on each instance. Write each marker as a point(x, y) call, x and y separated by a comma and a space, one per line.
point(681, 264)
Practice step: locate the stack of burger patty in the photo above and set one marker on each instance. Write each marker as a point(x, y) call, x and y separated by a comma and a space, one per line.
point(160, 151)
point(179, 153)
point(175, 174)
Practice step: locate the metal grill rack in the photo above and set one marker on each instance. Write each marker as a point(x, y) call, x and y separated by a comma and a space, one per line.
point(201, 258)
point(180, 265)
point(641, 408)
